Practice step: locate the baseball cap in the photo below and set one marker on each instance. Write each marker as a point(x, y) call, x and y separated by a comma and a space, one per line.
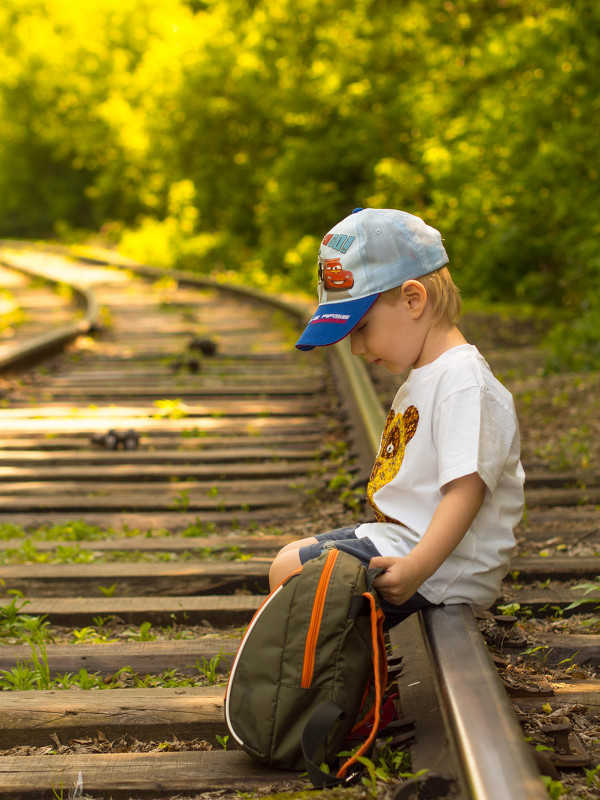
point(368, 252)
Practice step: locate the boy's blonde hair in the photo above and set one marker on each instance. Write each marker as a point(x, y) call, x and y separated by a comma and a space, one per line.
point(442, 294)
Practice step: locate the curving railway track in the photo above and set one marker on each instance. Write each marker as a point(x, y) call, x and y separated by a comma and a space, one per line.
point(147, 475)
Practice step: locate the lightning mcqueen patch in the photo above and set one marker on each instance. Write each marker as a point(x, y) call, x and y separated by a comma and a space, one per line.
point(335, 277)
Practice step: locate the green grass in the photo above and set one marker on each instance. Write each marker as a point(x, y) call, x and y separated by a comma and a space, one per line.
point(34, 673)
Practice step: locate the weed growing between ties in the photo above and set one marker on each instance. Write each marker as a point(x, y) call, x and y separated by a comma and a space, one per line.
point(78, 531)
point(591, 591)
point(380, 777)
point(75, 531)
point(20, 628)
point(35, 673)
point(26, 544)
point(28, 553)
point(17, 627)
point(386, 766)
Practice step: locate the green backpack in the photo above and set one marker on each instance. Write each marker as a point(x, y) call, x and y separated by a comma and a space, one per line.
point(311, 668)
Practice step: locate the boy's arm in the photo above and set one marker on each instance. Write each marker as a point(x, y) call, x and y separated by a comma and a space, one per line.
point(456, 511)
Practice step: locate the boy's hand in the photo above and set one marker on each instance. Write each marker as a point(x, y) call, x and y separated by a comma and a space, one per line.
point(399, 581)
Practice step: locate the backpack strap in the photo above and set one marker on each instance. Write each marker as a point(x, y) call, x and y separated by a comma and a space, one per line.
point(315, 732)
point(325, 716)
point(321, 722)
point(372, 573)
point(380, 678)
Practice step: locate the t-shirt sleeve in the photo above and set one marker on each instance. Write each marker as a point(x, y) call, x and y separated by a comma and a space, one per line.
point(473, 432)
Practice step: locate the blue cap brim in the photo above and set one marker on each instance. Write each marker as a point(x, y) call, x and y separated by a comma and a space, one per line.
point(332, 321)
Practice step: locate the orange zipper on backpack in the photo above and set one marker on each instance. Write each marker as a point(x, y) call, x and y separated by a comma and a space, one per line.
point(315, 620)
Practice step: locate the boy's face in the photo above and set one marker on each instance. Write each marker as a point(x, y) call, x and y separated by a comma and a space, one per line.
point(389, 335)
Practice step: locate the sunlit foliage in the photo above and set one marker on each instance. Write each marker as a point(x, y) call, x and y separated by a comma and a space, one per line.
point(233, 134)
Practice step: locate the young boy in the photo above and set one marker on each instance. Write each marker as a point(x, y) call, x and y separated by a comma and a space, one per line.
point(447, 485)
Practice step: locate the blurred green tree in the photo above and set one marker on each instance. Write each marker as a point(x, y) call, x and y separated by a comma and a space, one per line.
point(73, 143)
point(234, 134)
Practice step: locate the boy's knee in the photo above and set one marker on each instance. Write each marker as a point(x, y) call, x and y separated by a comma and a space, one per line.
point(296, 545)
point(284, 563)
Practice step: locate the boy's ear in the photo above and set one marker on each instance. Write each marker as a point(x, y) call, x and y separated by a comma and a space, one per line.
point(415, 296)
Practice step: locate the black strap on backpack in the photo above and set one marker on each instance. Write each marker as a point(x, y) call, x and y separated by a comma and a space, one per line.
point(315, 733)
point(321, 722)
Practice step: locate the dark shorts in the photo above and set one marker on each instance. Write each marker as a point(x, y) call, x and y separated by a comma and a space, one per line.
point(345, 539)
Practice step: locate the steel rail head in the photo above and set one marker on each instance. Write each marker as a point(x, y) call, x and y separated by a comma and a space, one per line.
point(497, 762)
point(40, 346)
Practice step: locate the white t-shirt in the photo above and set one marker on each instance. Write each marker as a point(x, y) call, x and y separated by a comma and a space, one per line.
point(451, 418)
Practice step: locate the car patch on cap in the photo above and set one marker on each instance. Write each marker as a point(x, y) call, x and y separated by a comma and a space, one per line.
point(335, 277)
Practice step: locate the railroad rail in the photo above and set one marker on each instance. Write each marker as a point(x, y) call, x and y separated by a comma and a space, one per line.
point(165, 449)
point(27, 344)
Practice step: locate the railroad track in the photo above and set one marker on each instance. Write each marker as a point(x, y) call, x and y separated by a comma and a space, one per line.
point(227, 444)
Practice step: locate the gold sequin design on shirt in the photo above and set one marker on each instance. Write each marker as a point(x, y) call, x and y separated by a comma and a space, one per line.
point(398, 431)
